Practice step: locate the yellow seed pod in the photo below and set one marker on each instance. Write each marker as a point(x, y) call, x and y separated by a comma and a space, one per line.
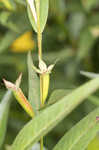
point(45, 79)
point(23, 43)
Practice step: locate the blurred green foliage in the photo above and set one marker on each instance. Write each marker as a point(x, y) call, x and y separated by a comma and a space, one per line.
point(71, 36)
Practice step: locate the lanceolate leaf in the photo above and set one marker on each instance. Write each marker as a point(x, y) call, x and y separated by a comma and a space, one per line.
point(81, 134)
point(31, 18)
point(51, 116)
point(89, 74)
point(44, 5)
point(58, 95)
point(84, 37)
point(4, 17)
point(7, 40)
point(4, 110)
point(94, 144)
point(34, 87)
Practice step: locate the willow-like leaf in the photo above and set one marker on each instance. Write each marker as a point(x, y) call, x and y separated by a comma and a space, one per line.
point(51, 116)
point(81, 134)
point(4, 111)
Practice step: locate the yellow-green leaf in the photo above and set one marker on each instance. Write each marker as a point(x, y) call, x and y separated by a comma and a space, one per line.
point(81, 134)
point(34, 86)
point(51, 116)
point(44, 5)
point(4, 111)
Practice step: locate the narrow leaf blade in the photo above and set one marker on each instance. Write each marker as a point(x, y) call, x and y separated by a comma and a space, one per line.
point(57, 95)
point(89, 74)
point(7, 40)
point(34, 87)
point(44, 6)
point(31, 18)
point(4, 110)
point(51, 116)
point(81, 134)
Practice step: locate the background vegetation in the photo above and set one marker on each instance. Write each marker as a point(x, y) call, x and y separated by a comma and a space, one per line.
point(71, 36)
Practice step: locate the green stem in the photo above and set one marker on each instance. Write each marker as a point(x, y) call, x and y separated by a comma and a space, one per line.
point(40, 44)
point(41, 97)
point(39, 36)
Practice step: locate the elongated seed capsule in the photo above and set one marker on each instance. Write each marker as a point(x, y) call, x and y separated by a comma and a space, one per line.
point(44, 72)
point(45, 88)
point(23, 102)
point(20, 97)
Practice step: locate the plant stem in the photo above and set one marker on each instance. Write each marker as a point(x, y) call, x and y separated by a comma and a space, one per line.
point(40, 45)
point(39, 36)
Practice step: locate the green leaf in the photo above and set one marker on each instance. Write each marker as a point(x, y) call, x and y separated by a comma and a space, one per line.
point(31, 18)
point(74, 28)
point(22, 2)
point(44, 5)
point(89, 74)
point(86, 38)
point(7, 22)
point(94, 144)
point(57, 7)
point(81, 134)
point(51, 116)
point(34, 87)
point(9, 4)
point(57, 95)
point(94, 100)
point(4, 110)
point(7, 40)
